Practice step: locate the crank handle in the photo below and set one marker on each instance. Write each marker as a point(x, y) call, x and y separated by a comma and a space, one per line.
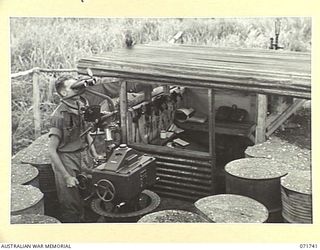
point(90, 196)
point(120, 204)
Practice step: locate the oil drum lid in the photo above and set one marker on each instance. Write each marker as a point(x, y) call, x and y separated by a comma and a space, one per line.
point(33, 219)
point(172, 216)
point(36, 154)
point(298, 181)
point(230, 208)
point(23, 173)
point(275, 148)
point(24, 196)
point(256, 168)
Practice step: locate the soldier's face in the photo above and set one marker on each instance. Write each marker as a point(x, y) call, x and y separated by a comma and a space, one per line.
point(67, 91)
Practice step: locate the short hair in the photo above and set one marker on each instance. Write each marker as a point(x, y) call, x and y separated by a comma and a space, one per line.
point(59, 83)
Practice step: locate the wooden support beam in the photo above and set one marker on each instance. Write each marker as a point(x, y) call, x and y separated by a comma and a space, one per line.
point(148, 93)
point(23, 73)
point(123, 111)
point(36, 104)
point(211, 124)
point(130, 127)
point(271, 118)
point(284, 116)
point(262, 103)
point(212, 139)
point(30, 71)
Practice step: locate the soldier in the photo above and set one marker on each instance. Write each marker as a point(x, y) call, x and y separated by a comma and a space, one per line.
point(68, 151)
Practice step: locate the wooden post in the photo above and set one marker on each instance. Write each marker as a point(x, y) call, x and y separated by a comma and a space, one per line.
point(130, 138)
point(211, 119)
point(36, 103)
point(123, 111)
point(262, 104)
point(212, 137)
point(148, 93)
point(50, 89)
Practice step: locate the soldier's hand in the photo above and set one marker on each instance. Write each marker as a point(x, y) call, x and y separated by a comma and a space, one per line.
point(98, 158)
point(71, 181)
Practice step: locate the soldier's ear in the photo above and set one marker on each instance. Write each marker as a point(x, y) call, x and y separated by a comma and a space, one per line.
point(63, 92)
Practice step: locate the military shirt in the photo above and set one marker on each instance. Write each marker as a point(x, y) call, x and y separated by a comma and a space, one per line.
point(68, 126)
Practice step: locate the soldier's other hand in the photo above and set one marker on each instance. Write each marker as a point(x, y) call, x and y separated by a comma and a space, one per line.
point(98, 158)
point(71, 181)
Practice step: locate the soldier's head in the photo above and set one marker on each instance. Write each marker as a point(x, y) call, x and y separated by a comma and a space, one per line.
point(63, 87)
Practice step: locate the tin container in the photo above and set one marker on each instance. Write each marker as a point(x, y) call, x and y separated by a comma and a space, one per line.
point(24, 174)
point(26, 199)
point(296, 197)
point(172, 216)
point(230, 208)
point(163, 134)
point(33, 219)
point(259, 179)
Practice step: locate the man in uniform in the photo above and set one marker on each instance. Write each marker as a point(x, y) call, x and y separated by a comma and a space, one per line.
point(68, 150)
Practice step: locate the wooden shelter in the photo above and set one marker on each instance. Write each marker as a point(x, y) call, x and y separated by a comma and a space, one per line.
point(208, 78)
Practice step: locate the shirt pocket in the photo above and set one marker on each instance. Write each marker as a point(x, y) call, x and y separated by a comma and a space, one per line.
point(71, 128)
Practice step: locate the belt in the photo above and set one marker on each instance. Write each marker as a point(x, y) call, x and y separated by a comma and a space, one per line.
point(74, 151)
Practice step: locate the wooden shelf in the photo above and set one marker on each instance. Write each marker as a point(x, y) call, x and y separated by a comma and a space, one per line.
point(228, 128)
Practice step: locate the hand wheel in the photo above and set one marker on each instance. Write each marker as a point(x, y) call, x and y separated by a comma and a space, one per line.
point(83, 181)
point(105, 190)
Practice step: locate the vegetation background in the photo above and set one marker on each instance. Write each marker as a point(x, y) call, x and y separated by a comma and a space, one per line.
point(58, 43)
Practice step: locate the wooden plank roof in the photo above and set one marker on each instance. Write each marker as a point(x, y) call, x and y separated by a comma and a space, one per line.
point(253, 70)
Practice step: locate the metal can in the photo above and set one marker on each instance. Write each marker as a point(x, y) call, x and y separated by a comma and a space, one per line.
point(163, 134)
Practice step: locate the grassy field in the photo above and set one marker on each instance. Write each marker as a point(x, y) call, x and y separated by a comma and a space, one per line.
point(60, 42)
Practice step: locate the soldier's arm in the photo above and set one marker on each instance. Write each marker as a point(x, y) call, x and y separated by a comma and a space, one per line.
point(92, 147)
point(53, 145)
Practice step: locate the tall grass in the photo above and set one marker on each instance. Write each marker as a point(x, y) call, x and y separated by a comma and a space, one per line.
point(60, 42)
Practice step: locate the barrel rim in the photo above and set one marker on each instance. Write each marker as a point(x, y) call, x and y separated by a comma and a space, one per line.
point(26, 180)
point(264, 209)
point(41, 197)
point(185, 212)
point(252, 160)
point(22, 216)
point(256, 179)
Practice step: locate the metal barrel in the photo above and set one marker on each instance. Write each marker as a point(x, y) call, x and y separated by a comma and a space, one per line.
point(37, 155)
point(46, 178)
point(24, 174)
point(230, 208)
point(296, 197)
point(33, 219)
point(259, 179)
point(275, 148)
point(26, 199)
point(47, 186)
point(172, 216)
